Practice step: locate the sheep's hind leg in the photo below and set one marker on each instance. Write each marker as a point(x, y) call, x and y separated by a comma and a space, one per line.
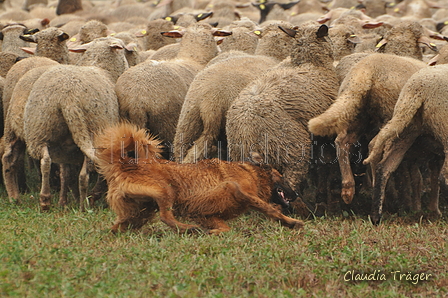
point(435, 167)
point(45, 168)
point(64, 172)
point(13, 151)
point(343, 142)
point(83, 184)
point(392, 158)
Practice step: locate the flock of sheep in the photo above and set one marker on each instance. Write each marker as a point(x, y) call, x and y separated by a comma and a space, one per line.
point(323, 90)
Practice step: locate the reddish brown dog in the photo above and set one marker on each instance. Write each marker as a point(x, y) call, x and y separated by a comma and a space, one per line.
point(208, 192)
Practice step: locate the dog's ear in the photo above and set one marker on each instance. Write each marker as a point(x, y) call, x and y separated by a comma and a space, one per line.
point(256, 159)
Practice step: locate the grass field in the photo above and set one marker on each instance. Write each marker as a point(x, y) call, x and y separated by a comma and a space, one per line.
point(65, 253)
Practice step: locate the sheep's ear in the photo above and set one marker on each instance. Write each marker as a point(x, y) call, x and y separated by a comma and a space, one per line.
point(219, 40)
point(326, 17)
point(31, 51)
point(434, 35)
point(1, 35)
point(30, 31)
point(286, 6)
point(353, 38)
point(173, 34)
point(427, 42)
point(434, 60)
point(203, 16)
point(172, 19)
point(28, 38)
point(322, 31)
point(381, 44)
point(80, 48)
point(441, 25)
point(164, 2)
point(63, 36)
point(256, 158)
point(217, 32)
point(131, 47)
point(116, 46)
point(215, 24)
point(19, 59)
point(290, 32)
point(371, 24)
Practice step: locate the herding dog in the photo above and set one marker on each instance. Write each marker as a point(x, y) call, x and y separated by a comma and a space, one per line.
point(209, 192)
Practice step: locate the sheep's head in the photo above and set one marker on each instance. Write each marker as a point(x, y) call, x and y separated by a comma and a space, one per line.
point(312, 45)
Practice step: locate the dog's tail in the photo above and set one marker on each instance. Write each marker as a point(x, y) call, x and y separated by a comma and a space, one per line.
point(124, 144)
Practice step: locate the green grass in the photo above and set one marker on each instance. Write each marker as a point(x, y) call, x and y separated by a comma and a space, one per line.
point(65, 253)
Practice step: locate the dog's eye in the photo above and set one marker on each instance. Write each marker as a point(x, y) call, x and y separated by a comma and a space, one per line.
point(279, 190)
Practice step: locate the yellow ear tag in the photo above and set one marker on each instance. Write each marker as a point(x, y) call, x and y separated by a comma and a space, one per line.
point(176, 27)
point(353, 35)
point(112, 34)
point(73, 39)
point(25, 35)
point(432, 44)
point(168, 18)
point(200, 15)
point(262, 7)
point(392, 4)
point(293, 13)
point(143, 32)
point(396, 10)
point(379, 45)
point(353, 7)
point(445, 23)
point(257, 32)
point(135, 49)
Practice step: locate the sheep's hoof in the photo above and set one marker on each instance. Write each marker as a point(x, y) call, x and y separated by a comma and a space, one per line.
point(376, 219)
point(45, 202)
point(347, 194)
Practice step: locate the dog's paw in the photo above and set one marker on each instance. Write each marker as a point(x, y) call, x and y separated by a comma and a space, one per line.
point(297, 225)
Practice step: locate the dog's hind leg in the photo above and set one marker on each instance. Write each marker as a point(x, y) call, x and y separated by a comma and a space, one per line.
point(215, 224)
point(167, 216)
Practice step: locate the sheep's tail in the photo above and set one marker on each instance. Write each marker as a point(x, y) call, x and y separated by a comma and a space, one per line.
point(406, 108)
point(344, 111)
point(124, 144)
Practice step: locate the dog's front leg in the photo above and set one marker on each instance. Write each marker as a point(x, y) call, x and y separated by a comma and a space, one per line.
point(266, 208)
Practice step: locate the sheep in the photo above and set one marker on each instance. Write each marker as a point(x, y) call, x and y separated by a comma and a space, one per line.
point(101, 52)
point(67, 105)
point(241, 38)
point(273, 10)
point(151, 93)
point(420, 111)
point(271, 113)
point(68, 6)
point(13, 137)
point(51, 43)
point(11, 42)
point(16, 72)
point(202, 119)
point(404, 39)
point(152, 39)
point(365, 102)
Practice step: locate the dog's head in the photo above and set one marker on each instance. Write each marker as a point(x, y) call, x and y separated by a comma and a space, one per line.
point(282, 193)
